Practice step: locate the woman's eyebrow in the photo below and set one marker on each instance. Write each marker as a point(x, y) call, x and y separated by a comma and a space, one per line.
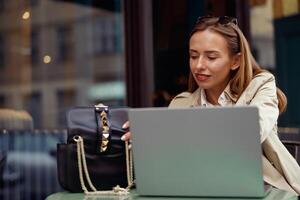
point(212, 52)
point(193, 51)
point(215, 52)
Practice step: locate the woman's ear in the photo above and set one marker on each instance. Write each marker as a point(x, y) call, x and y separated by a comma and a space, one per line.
point(236, 61)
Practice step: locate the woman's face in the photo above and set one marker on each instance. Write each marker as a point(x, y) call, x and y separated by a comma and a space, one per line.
point(210, 60)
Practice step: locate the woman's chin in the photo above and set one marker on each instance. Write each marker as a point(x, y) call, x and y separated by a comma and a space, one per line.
point(204, 86)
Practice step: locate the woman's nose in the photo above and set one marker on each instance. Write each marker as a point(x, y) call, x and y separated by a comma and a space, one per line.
point(200, 64)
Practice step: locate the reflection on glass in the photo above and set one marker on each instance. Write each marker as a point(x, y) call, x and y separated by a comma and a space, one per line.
point(56, 46)
point(47, 59)
point(54, 54)
point(26, 15)
point(262, 31)
point(2, 48)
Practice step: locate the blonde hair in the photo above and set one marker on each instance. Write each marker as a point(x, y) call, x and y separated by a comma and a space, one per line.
point(237, 43)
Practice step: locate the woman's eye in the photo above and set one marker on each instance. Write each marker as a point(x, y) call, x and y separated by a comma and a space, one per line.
point(193, 57)
point(211, 57)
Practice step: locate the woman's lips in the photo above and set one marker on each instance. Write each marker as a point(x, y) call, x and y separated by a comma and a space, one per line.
point(202, 77)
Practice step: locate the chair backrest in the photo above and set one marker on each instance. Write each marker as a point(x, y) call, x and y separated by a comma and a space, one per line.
point(290, 137)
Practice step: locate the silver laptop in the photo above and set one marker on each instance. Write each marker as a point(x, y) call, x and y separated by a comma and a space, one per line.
point(197, 152)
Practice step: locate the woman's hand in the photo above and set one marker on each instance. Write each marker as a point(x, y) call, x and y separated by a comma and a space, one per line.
point(127, 135)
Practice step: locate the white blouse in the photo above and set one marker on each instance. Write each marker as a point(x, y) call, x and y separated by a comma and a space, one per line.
point(223, 100)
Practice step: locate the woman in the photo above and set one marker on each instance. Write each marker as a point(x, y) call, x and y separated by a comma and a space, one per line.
point(223, 72)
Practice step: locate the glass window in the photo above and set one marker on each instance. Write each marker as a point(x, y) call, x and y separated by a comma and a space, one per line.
point(65, 99)
point(64, 43)
point(275, 41)
point(98, 33)
point(34, 2)
point(2, 52)
point(54, 54)
point(105, 36)
point(261, 18)
point(80, 48)
point(2, 101)
point(33, 105)
point(1, 5)
point(57, 54)
point(30, 3)
point(35, 56)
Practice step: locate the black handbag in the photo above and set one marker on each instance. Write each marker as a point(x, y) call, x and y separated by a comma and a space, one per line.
point(94, 153)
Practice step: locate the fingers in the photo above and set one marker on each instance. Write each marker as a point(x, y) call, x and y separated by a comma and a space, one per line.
point(126, 125)
point(126, 136)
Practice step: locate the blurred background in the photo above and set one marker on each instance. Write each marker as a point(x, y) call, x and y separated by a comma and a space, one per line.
point(57, 54)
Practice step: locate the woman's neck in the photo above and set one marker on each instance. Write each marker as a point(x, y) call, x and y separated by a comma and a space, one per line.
point(213, 94)
point(212, 97)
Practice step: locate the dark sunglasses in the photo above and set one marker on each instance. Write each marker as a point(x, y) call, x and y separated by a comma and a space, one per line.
point(223, 20)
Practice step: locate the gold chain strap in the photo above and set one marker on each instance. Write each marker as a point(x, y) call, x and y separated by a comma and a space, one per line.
point(117, 190)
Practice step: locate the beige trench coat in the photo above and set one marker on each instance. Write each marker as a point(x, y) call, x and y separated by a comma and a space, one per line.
point(280, 169)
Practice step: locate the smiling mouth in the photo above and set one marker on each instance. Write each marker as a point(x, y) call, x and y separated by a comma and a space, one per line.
point(202, 77)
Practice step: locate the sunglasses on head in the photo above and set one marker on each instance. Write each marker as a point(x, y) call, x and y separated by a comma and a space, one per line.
point(223, 20)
